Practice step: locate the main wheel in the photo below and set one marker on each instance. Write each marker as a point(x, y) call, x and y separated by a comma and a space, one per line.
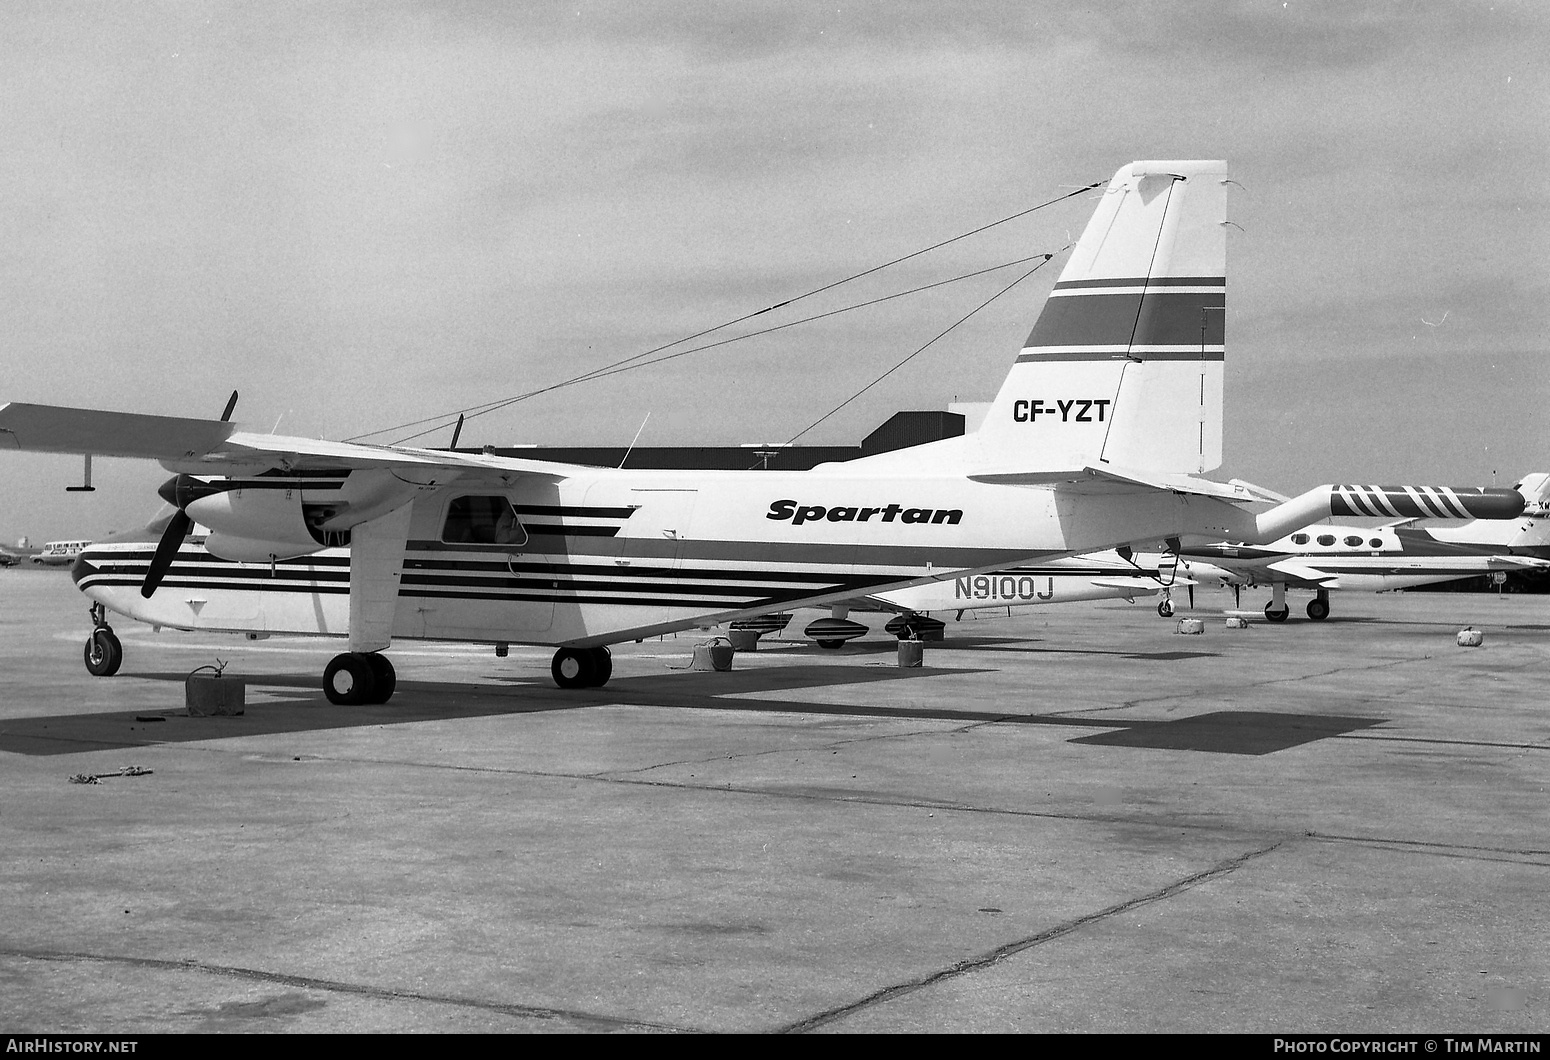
point(1318, 610)
point(602, 667)
point(573, 668)
point(104, 654)
point(384, 680)
point(348, 680)
point(1165, 608)
point(1272, 615)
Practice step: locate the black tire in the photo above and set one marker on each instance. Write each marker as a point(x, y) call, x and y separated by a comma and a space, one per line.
point(830, 644)
point(1272, 615)
point(573, 668)
point(348, 680)
point(384, 679)
point(104, 654)
point(602, 667)
point(1318, 610)
point(1165, 609)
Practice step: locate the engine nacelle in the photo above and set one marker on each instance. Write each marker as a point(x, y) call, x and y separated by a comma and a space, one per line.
point(254, 525)
point(283, 516)
point(253, 550)
point(364, 496)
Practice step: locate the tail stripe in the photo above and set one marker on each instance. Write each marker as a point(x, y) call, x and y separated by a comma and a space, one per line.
point(1133, 317)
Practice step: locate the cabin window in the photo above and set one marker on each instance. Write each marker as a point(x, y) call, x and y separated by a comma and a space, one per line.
point(1376, 542)
point(1354, 541)
point(483, 521)
point(1326, 539)
point(1299, 539)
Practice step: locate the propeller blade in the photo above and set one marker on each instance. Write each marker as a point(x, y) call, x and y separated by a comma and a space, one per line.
point(177, 529)
point(231, 403)
point(1237, 594)
point(1191, 588)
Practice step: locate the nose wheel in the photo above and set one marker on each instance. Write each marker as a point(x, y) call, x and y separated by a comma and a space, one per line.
point(104, 654)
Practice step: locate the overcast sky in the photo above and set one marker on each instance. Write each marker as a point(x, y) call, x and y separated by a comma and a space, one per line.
point(360, 215)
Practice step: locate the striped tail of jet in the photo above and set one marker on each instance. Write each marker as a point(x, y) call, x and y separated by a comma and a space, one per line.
point(1124, 365)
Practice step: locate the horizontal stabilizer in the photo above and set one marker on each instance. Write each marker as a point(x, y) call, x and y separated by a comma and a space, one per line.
point(1110, 479)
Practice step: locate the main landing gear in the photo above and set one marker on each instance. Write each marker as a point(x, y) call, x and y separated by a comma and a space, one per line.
point(582, 667)
point(359, 677)
point(1318, 607)
point(104, 654)
point(1276, 610)
point(1165, 607)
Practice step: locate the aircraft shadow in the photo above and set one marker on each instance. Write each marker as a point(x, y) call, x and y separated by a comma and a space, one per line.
point(294, 704)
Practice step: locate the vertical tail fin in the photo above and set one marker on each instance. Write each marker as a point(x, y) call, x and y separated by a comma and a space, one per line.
point(1124, 365)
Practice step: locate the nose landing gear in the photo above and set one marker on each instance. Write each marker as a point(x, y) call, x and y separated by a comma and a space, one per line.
point(104, 654)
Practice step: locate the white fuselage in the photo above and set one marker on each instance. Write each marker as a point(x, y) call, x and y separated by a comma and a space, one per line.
point(1354, 558)
point(608, 555)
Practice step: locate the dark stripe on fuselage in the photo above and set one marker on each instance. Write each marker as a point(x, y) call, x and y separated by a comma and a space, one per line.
point(1132, 354)
point(1145, 281)
point(1155, 318)
point(561, 511)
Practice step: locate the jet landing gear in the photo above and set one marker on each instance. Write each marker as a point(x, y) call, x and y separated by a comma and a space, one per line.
point(1318, 607)
point(104, 654)
point(582, 667)
point(359, 677)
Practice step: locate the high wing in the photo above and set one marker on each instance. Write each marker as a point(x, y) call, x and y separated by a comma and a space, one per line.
point(215, 447)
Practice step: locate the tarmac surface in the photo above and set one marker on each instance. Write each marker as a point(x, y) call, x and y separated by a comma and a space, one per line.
point(1072, 820)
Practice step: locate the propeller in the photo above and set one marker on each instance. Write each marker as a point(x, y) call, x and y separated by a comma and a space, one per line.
point(178, 491)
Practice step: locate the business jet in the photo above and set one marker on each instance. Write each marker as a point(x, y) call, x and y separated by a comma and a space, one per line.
point(1097, 438)
point(1401, 555)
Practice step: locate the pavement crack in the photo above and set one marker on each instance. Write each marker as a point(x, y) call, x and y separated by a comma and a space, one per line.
point(334, 986)
point(1011, 949)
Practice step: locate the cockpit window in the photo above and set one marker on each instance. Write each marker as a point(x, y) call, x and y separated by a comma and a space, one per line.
point(1326, 539)
point(1299, 539)
point(483, 521)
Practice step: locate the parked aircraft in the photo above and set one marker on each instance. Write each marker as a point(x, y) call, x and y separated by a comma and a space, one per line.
point(1096, 439)
point(1326, 557)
